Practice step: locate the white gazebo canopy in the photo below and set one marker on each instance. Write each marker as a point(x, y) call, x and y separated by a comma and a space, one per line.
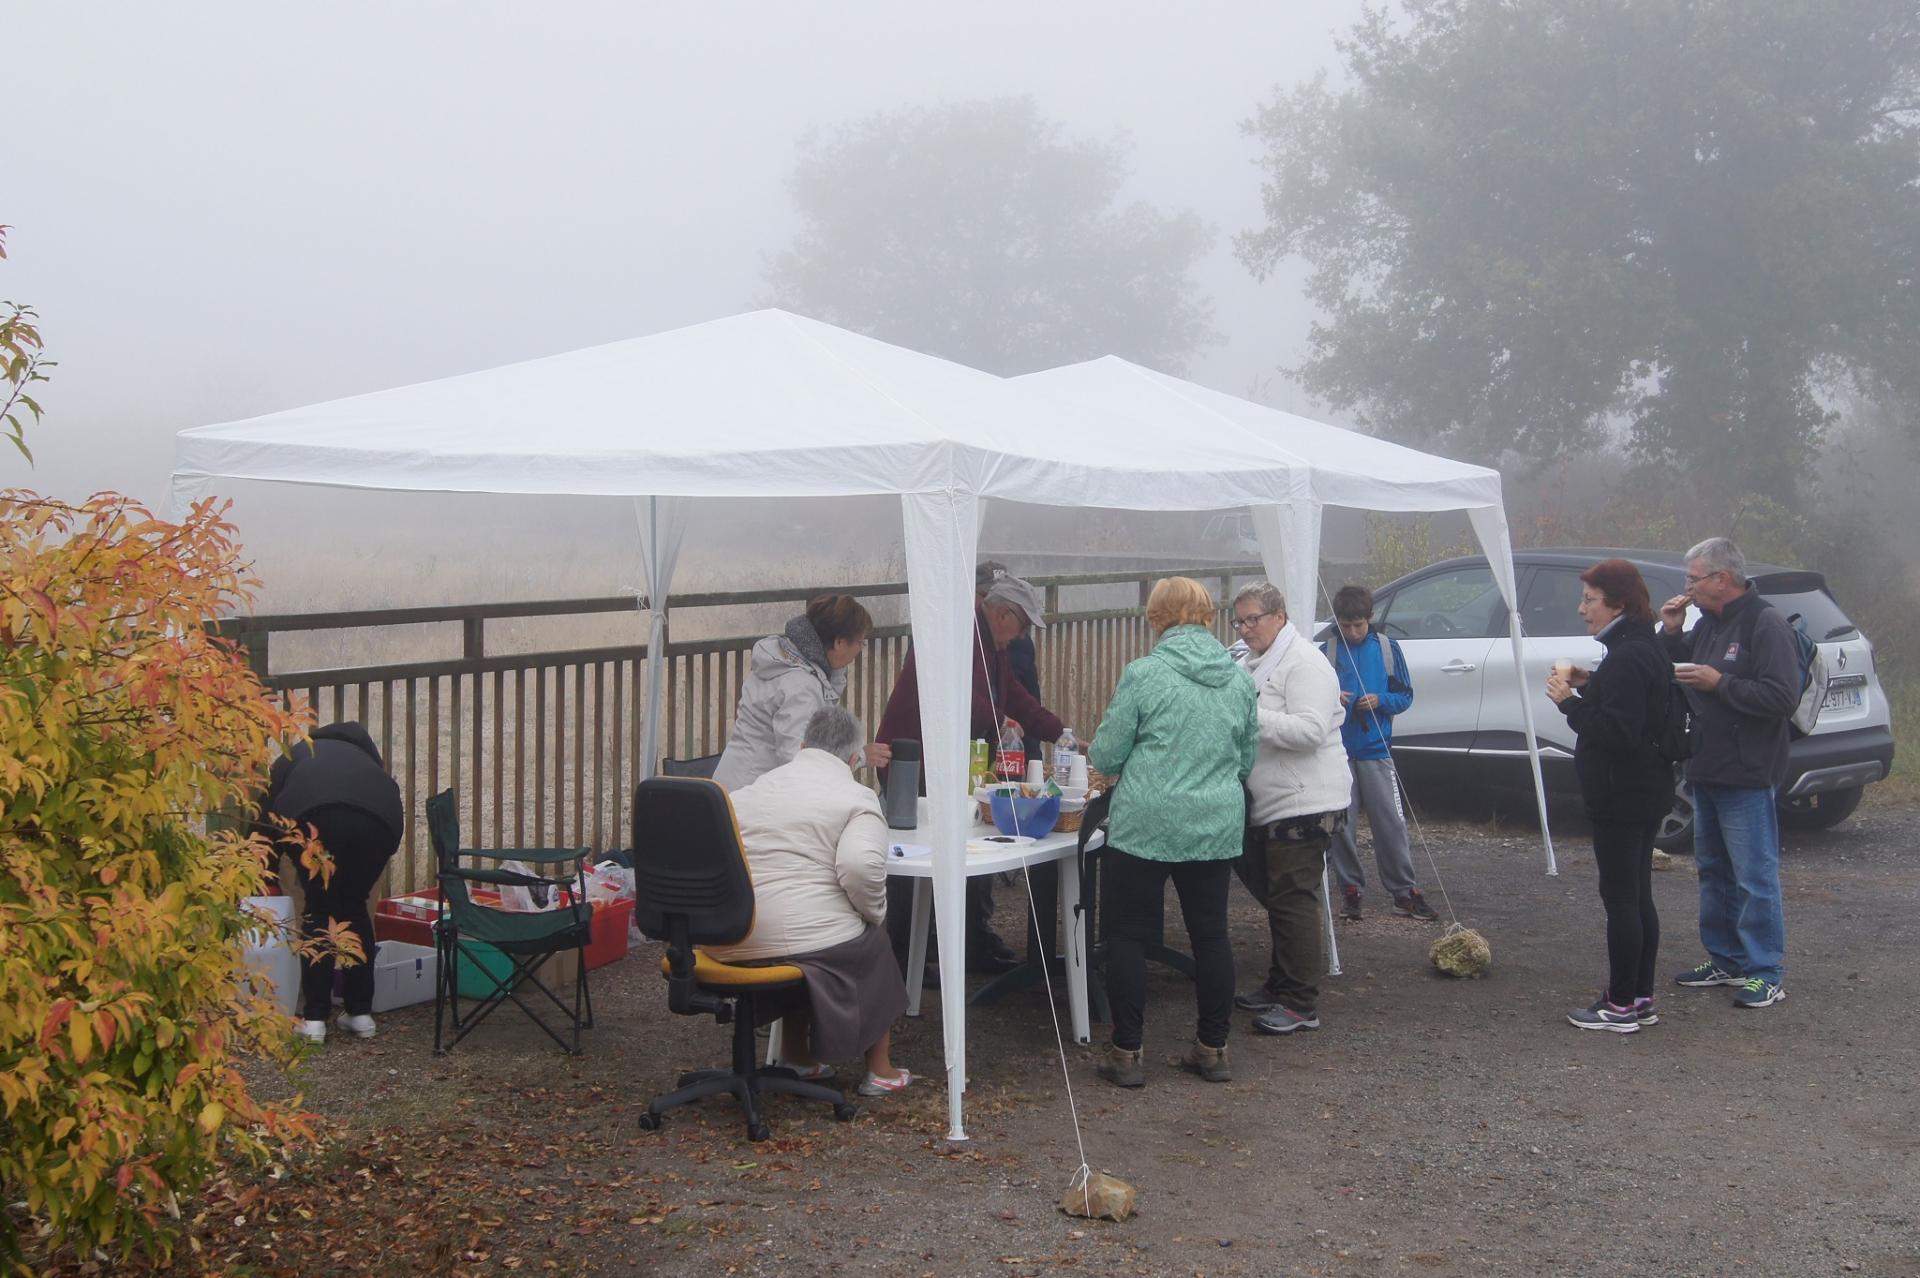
point(769, 404)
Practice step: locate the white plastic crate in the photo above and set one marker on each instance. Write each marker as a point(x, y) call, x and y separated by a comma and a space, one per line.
point(403, 975)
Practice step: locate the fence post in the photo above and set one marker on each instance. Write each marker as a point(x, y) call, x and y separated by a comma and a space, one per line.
point(473, 638)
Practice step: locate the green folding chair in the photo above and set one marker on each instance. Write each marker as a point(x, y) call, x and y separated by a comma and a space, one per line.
point(526, 939)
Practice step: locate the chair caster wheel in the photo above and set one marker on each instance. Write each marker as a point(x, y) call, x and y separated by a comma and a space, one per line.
point(759, 1131)
point(649, 1121)
point(845, 1113)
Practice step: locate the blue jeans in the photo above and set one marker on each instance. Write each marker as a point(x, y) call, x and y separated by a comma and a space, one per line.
point(1736, 845)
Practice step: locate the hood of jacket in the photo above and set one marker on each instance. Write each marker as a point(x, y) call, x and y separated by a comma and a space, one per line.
point(1195, 654)
point(776, 657)
point(353, 734)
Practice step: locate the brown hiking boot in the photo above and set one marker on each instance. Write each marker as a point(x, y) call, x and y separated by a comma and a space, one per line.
point(1120, 1067)
point(1414, 905)
point(1209, 1063)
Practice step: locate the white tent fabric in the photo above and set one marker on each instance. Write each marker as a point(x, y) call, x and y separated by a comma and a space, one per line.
point(770, 404)
point(1345, 469)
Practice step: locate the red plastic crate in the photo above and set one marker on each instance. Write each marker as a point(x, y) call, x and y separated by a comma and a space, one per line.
point(608, 941)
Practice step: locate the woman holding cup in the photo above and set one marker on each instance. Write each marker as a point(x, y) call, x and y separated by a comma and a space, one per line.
point(1616, 713)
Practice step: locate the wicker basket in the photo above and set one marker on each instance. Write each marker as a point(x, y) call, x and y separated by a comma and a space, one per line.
point(1069, 821)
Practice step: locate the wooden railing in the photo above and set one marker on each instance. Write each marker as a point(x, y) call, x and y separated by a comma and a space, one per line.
point(543, 747)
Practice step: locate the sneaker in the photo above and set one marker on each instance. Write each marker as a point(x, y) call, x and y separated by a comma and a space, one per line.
point(878, 1086)
point(1708, 973)
point(1121, 1067)
point(312, 1031)
point(359, 1026)
point(1260, 1000)
point(1284, 1020)
point(1605, 1016)
point(1758, 993)
point(1643, 1011)
point(1209, 1063)
point(1414, 905)
point(1350, 904)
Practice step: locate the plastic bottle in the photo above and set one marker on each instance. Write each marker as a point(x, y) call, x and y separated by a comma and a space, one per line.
point(1011, 763)
point(1063, 751)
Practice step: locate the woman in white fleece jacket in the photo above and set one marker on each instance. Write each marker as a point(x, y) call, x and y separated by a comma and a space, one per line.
point(1298, 788)
point(816, 846)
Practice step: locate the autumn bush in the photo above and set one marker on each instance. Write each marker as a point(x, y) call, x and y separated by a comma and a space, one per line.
point(125, 1007)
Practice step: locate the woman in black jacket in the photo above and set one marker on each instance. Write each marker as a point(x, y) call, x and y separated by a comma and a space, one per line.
point(336, 783)
point(1616, 713)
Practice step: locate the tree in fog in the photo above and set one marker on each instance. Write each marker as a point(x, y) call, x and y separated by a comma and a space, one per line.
point(1526, 219)
point(978, 232)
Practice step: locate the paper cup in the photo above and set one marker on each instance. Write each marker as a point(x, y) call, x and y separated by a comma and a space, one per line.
point(1036, 773)
point(1563, 667)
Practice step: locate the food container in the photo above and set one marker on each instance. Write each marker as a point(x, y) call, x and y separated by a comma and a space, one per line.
point(1013, 814)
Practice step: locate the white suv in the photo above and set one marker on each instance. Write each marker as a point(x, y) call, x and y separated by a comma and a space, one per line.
point(1466, 718)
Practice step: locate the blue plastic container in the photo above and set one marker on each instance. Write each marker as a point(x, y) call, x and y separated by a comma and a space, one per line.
point(1031, 817)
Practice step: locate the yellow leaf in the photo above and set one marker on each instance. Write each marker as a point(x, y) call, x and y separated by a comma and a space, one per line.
point(212, 1116)
point(80, 1029)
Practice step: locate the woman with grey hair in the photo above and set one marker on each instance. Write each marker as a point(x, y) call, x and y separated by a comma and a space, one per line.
point(816, 847)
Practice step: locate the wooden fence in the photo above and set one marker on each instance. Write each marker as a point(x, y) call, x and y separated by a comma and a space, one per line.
point(543, 747)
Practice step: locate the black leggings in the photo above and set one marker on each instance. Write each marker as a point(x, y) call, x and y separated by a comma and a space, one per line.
point(1136, 888)
point(1623, 851)
point(360, 846)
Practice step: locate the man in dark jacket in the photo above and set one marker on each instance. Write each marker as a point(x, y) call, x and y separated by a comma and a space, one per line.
point(1009, 608)
point(336, 783)
point(1741, 669)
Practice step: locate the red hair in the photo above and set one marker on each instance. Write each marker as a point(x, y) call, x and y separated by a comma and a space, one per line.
point(1622, 586)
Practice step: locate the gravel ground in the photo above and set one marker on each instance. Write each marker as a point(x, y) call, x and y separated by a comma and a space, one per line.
point(1432, 1127)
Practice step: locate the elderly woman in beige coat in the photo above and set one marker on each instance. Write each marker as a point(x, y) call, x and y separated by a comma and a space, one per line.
point(816, 846)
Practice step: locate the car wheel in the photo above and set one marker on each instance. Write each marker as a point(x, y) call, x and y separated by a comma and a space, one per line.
point(1820, 811)
point(1676, 827)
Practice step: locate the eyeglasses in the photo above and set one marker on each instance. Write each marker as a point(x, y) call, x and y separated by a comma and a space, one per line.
point(1694, 581)
point(1244, 623)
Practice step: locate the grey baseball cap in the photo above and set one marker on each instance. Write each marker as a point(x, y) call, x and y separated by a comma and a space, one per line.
point(1019, 593)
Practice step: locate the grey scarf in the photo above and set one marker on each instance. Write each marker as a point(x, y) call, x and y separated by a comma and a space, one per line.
point(806, 640)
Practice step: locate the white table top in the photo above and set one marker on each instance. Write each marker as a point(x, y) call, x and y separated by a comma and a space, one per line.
point(1052, 847)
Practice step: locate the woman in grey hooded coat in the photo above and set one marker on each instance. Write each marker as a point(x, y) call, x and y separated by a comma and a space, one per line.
point(795, 673)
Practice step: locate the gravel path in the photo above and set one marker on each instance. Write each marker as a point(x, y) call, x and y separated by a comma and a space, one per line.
point(1432, 1127)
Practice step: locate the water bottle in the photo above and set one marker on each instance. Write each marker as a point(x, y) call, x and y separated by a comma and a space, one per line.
point(1063, 752)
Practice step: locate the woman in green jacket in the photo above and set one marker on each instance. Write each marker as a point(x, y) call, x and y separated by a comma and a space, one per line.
point(1181, 733)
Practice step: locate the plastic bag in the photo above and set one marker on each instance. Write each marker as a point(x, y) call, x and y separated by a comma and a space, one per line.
point(609, 882)
point(527, 900)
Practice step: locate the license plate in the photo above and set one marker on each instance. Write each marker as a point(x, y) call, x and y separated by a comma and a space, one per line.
point(1844, 699)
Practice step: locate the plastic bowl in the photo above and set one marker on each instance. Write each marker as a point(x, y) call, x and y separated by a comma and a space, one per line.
point(1031, 817)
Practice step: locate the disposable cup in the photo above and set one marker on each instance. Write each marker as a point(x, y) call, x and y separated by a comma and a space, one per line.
point(1036, 773)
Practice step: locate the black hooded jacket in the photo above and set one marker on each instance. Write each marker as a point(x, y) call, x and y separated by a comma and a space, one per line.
point(1615, 719)
point(339, 765)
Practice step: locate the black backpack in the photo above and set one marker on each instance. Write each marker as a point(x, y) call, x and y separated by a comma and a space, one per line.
point(1673, 739)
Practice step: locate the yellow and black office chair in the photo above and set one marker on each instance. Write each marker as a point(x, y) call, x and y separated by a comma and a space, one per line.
point(692, 888)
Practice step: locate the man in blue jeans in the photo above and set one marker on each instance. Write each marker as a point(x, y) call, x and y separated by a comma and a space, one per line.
point(1740, 666)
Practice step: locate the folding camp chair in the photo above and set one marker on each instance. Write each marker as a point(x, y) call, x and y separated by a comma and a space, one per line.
point(477, 937)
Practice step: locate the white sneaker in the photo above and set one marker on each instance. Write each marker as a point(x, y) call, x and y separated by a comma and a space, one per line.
point(312, 1031)
point(359, 1026)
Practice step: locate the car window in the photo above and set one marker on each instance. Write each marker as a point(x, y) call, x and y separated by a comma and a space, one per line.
point(1461, 603)
point(1822, 615)
point(1551, 605)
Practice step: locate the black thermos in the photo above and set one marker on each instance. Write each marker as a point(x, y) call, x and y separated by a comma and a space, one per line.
point(902, 799)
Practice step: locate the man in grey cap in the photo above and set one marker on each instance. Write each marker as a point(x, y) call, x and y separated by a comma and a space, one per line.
point(1009, 610)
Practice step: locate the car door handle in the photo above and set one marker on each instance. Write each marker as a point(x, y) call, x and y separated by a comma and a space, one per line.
point(1457, 666)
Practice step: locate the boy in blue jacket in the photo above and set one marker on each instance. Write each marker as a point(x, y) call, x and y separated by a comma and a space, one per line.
point(1374, 687)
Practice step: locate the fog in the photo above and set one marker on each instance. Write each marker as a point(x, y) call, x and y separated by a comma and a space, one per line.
point(221, 210)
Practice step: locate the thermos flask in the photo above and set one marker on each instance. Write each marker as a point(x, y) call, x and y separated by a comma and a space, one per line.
point(902, 799)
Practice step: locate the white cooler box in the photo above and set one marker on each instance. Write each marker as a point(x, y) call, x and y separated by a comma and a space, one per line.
point(403, 975)
point(270, 961)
